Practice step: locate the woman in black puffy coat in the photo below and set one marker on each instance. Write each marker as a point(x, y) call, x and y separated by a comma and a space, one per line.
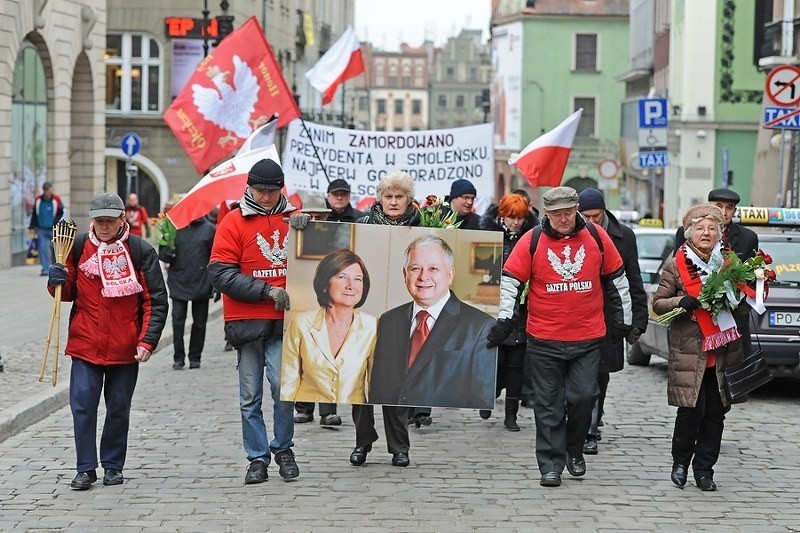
point(512, 218)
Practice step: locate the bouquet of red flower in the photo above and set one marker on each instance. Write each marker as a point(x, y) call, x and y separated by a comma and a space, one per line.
point(436, 213)
point(725, 288)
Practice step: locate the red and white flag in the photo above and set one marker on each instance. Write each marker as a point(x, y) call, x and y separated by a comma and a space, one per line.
point(543, 161)
point(340, 63)
point(224, 182)
point(238, 87)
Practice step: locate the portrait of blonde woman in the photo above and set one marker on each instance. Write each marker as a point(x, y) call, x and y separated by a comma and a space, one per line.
point(327, 353)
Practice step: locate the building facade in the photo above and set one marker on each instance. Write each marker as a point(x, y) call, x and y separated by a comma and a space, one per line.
point(147, 65)
point(459, 85)
point(551, 58)
point(393, 95)
point(51, 111)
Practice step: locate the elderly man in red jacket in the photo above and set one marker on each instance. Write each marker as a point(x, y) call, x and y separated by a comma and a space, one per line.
point(111, 277)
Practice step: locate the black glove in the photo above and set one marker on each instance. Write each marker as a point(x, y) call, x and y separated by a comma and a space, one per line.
point(633, 335)
point(499, 332)
point(169, 254)
point(690, 303)
point(57, 275)
point(280, 297)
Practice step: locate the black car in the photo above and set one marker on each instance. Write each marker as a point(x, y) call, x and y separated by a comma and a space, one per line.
point(777, 330)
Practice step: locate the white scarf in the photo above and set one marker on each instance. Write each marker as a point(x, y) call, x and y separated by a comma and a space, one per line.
point(117, 273)
point(725, 319)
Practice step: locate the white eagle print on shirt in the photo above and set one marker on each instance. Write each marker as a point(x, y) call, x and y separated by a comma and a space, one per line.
point(567, 269)
point(275, 253)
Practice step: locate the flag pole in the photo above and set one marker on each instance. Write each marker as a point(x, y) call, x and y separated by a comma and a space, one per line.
point(314, 146)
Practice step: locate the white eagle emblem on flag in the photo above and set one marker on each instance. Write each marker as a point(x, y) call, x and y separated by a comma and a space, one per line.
point(567, 269)
point(275, 253)
point(115, 268)
point(229, 106)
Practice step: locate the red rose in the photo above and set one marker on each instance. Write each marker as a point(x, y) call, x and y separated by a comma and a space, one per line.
point(771, 275)
point(431, 200)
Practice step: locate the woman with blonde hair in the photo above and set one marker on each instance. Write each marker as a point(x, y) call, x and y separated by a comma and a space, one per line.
point(695, 374)
point(327, 354)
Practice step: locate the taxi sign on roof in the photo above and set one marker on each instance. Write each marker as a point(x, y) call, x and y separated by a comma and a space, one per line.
point(651, 222)
point(767, 216)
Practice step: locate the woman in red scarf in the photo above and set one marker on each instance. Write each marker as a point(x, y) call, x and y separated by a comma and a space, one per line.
point(699, 349)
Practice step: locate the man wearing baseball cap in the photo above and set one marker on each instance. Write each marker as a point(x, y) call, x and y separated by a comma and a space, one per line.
point(573, 268)
point(339, 201)
point(110, 275)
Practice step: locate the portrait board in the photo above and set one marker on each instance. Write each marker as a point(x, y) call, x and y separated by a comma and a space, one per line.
point(348, 336)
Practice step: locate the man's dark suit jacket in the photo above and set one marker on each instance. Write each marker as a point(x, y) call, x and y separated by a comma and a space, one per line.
point(454, 368)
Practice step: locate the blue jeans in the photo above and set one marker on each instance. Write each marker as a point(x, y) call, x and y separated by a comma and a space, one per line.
point(45, 244)
point(117, 383)
point(254, 357)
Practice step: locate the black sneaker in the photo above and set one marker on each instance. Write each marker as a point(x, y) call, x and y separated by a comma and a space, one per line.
point(112, 477)
point(287, 467)
point(178, 365)
point(330, 420)
point(83, 480)
point(256, 472)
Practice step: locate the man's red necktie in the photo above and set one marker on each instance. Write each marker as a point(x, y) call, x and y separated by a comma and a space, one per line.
point(421, 332)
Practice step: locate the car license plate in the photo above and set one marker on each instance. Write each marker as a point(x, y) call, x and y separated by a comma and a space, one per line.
point(784, 319)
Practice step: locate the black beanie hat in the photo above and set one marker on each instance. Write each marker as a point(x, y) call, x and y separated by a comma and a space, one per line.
point(590, 199)
point(266, 174)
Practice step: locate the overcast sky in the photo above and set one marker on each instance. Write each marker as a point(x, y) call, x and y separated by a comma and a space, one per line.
point(387, 23)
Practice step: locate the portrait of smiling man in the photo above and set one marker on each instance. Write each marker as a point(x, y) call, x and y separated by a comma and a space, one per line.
point(432, 350)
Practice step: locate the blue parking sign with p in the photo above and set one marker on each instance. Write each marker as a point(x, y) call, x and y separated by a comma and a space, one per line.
point(653, 113)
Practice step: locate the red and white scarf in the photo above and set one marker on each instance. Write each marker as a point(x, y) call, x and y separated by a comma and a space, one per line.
point(694, 272)
point(117, 272)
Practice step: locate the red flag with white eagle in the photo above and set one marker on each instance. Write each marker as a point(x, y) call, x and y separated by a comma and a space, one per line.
point(340, 63)
point(543, 161)
point(233, 91)
point(224, 182)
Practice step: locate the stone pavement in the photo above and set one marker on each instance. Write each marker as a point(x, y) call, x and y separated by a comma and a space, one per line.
point(186, 466)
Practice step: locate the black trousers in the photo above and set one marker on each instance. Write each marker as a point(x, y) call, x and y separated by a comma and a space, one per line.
point(198, 335)
point(562, 369)
point(698, 430)
point(597, 411)
point(395, 424)
point(307, 408)
point(510, 361)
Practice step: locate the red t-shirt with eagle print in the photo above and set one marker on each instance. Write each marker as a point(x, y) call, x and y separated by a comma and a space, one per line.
point(258, 245)
point(565, 300)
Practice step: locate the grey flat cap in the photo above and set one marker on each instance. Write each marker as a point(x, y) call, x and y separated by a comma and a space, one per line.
point(559, 198)
point(106, 204)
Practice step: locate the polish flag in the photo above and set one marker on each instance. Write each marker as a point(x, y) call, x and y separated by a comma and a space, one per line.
point(225, 181)
point(543, 161)
point(340, 63)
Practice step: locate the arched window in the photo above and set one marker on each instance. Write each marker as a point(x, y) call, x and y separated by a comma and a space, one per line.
point(133, 73)
point(28, 140)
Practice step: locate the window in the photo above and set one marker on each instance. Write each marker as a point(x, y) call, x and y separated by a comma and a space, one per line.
point(363, 102)
point(133, 73)
point(450, 73)
point(459, 101)
point(586, 125)
point(393, 82)
point(473, 74)
point(478, 100)
point(586, 52)
point(29, 146)
point(416, 107)
point(398, 107)
point(381, 105)
point(441, 101)
point(406, 82)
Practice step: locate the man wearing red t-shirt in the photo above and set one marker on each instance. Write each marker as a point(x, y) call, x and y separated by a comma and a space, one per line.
point(137, 218)
point(573, 270)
